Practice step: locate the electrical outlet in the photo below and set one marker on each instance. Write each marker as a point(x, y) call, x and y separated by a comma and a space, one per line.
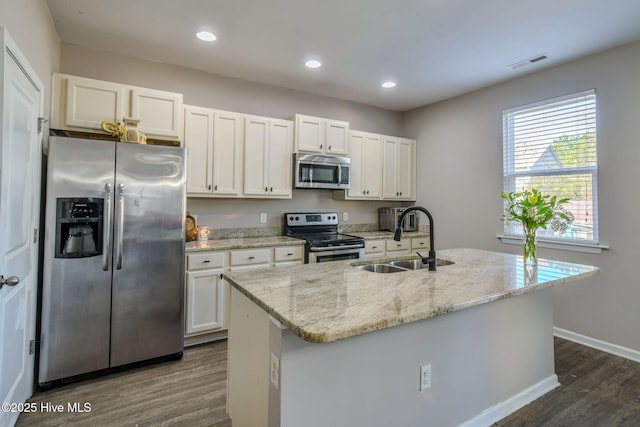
point(274, 372)
point(425, 377)
point(345, 216)
point(263, 218)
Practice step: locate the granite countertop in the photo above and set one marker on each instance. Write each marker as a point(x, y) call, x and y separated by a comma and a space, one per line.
point(326, 302)
point(262, 241)
point(241, 243)
point(380, 234)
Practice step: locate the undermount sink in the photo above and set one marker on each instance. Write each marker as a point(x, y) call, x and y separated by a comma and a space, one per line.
point(381, 268)
point(416, 264)
point(400, 265)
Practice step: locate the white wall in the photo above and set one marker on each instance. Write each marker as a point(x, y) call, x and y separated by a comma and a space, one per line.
point(214, 91)
point(29, 23)
point(460, 179)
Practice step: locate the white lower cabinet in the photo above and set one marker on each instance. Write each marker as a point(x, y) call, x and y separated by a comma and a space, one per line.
point(403, 247)
point(249, 258)
point(206, 295)
point(420, 243)
point(288, 255)
point(374, 248)
point(205, 301)
point(380, 247)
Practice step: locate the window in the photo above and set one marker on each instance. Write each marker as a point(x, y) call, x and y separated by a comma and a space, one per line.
point(551, 146)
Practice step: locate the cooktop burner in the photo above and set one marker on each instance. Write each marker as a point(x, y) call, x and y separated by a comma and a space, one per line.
point(318, 229)
point(330, 239)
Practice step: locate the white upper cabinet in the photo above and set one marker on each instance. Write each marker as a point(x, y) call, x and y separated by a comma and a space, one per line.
point(213, 139)
point(236, 155)
point(268, 145)
point(158, 112)
point(280, 158)
point(399, 168)
point(322, 136)
point(198, 140)
point(227, 146)
point(366, 166)
point(90, 102)
point(82, 104)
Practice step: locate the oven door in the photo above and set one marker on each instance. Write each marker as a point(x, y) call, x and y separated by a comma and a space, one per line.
point(326, 255)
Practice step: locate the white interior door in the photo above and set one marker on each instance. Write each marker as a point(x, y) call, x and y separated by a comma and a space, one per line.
point(19, 198)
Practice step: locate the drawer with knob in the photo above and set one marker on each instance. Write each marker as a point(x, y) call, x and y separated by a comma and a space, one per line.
point(208, 260)
point(374, 247)
point(418, 243)
point(250, 258)
point(288, 253)
point(403, 245)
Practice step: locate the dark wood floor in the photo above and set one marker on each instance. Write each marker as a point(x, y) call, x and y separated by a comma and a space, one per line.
point(189, 392)
point(597, 390)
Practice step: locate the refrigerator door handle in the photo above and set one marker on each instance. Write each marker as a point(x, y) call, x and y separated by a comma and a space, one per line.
point(106, 238)
point(120, 226)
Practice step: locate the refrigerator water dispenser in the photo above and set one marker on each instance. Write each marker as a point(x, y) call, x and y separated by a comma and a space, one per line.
point(79, 227)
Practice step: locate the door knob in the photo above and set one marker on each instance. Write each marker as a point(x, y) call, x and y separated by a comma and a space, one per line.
point(9, 281)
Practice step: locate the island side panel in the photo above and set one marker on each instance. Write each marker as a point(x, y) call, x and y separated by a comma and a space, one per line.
point(482, 358)
point(247, 362)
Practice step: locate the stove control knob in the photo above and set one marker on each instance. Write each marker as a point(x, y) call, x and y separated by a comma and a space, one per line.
point(290, 218)
point(297, 218)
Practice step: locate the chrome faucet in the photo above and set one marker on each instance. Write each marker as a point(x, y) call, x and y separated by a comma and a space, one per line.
point(431, 259)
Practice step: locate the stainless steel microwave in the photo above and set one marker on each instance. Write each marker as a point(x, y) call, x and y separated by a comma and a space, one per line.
point(318, 171)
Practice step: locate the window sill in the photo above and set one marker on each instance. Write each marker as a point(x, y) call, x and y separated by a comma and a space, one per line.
point(552, 244)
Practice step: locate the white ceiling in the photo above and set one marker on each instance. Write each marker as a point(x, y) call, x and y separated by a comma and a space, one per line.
point(433, 49)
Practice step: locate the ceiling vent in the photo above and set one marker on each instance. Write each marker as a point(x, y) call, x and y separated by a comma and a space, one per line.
point(529, 61)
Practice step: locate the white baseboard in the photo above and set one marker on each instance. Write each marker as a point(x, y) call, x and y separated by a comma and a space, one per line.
point(615, 349)
point(512, 404)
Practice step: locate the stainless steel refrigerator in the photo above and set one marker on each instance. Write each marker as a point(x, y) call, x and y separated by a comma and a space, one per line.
point(113, 264)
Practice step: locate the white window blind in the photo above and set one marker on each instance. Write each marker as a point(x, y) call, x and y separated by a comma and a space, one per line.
point(551, 146)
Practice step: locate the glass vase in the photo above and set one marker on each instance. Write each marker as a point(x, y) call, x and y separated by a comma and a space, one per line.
point(529, 247)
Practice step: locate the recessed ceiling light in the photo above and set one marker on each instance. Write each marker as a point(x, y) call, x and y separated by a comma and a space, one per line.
point(313, 63)
point(388, 85)
point(206, 36)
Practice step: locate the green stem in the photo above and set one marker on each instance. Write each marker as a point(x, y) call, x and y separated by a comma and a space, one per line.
point(529, 247)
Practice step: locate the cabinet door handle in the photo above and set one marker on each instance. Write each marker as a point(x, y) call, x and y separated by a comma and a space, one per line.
point(289, 254)
point(374, 247)
point(252, 257)
point(321, 146)
point(329, 147)
point(271, 189)
point(215, 187)
point(206, 261)
point(209, 186)
point(367, 191)
point(266, 188)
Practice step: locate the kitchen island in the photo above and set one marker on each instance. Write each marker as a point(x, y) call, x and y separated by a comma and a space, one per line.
point(331, 344)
